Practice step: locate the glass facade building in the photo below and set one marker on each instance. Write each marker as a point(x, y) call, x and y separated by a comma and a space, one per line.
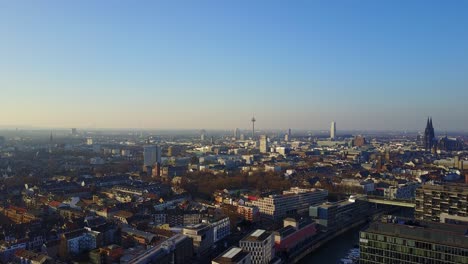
point(403, 241)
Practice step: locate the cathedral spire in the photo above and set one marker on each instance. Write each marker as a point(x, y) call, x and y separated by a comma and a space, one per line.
point(429, 135)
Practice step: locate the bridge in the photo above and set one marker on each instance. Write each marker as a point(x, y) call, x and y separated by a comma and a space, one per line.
point(387, 201)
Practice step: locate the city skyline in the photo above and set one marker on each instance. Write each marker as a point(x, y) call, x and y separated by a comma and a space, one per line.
point(246, 130)
point(241, 132)
point(366, 65)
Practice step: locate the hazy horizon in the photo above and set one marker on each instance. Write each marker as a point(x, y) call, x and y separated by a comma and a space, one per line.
point(368, 65)
point(67, 130)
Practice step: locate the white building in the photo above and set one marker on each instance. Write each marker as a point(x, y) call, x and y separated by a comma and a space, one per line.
point(333, 130)
point(260, 244)
point(295, 200)
point(263, 144)
point(281, 150)
point(221, 228)
point(79, 241)
point(89, 141)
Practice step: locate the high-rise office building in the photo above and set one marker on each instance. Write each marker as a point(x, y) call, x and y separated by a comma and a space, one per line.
point(151, 155)
point(89, 141)
point(74, 131)
point(263, 144)
point(333, 130)
point(398, 240)
point(237, 133)
point(442, 203)
point(260, 244)
point(287, 137)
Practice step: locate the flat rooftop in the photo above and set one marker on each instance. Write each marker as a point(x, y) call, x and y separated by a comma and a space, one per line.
point(338, 204)
point(446, 234)
point(196, 226)
point(232, 255)
point(257, 236)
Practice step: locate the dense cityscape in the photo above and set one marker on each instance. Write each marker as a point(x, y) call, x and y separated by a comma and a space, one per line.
point(240, 196)
point(233, 132)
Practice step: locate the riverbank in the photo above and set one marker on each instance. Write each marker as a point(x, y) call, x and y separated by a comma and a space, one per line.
point(335, 249)
point(325, 241)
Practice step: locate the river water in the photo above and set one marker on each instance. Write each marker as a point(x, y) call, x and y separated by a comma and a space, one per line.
point(338, 248)
point(334, 250)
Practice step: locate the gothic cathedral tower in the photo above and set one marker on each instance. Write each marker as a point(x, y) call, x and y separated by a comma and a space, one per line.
point(429, 136)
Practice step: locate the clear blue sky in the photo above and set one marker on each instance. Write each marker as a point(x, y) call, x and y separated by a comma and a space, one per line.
point(212, 64)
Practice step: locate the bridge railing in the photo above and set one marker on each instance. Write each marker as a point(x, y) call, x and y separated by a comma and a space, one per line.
point(390, 199)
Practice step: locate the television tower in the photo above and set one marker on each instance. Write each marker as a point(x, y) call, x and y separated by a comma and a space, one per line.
point(253, 127)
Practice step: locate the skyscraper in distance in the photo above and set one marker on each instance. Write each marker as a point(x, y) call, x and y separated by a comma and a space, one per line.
point(287, 137)
point(236, 133)
point(151, 155)
point(203, 135)
point(263, 144)
point(333, 130)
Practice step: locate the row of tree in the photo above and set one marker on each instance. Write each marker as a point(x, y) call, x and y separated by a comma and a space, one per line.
point(203, 185)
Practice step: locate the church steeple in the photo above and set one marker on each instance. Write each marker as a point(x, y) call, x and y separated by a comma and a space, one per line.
point(429, 135)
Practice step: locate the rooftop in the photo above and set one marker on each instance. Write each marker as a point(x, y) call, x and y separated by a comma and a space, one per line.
point(74, 234)
point(29, 255)
point(285, 231)
point(446, 234)
point(338, 204)
point(196, 226)
point(232, 255)
point(257, 235)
